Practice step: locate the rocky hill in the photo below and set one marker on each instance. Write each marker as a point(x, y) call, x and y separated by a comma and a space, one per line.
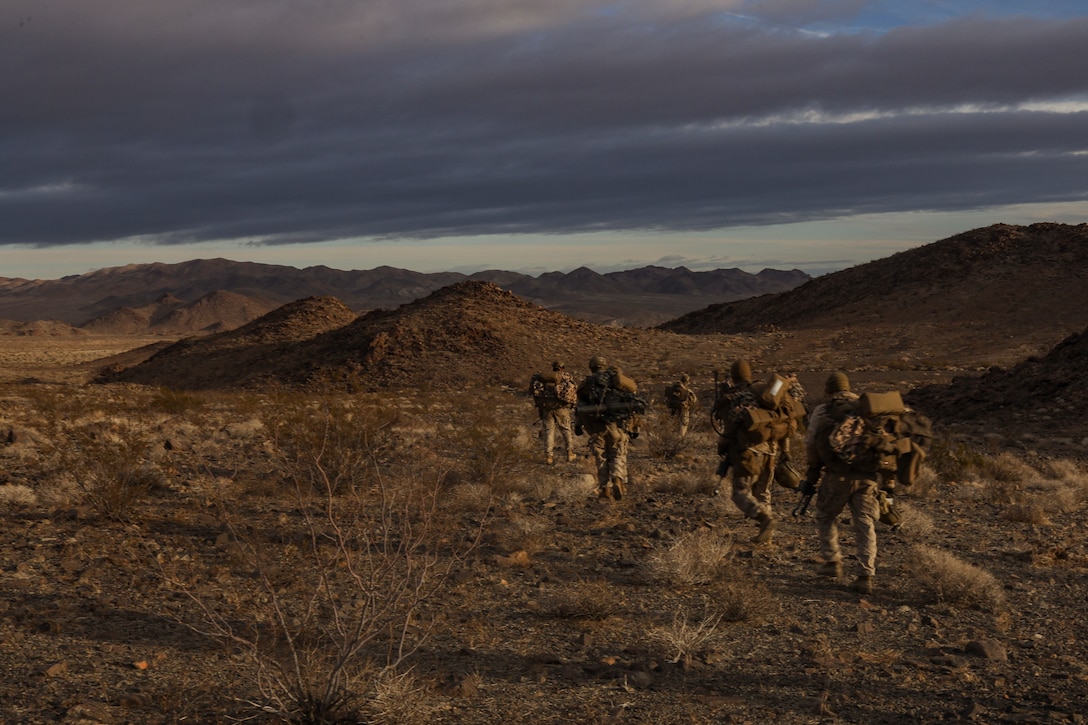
point(1038, 393)
point(168, 315)
point(468, 333)
point(108, 297)
point(234, 355)
point(989, 296)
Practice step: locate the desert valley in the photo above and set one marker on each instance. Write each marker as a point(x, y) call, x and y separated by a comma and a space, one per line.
point(245, 493)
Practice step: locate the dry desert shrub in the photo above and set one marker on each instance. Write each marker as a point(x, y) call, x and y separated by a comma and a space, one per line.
point(699, 557)
point(915, 524)
point(952, 460)
point(684, 639)
point(951, 580)
point(400, 699)
point(662, 437)
point(488, 452)
point(111, 466)
point(926, 484)
point(584, 599)
point(16, 495)
point(529, 533)
point(1026, 510)
point(738, 597)
point(175, 402)
point(687, 482)
point(561, 487)
point(469, 498)
point(339, 594)
point(330, 441)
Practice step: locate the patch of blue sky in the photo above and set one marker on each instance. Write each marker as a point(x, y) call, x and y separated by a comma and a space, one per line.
point(883, 15)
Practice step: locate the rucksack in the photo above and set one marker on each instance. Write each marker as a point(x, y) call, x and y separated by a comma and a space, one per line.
point(553, 390)
point(758, 413)
point(676, 396)
point(601, 399)
point(874, 434)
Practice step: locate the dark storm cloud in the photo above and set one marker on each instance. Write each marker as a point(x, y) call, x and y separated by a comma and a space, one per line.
point(292, 121)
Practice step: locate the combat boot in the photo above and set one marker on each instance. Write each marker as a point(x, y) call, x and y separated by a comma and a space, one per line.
point(619, 488)
point(831, 569)
point(766, 528)
point(863, 584)
point(571, 456)
point(549, 460)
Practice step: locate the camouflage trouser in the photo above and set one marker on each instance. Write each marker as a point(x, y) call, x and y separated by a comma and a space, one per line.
point(683, 419)
point(836, 491)
point(609, 449)
point(752, 491)
point(558, 419)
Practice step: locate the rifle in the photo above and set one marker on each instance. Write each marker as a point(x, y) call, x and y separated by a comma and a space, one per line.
point(713, 406)
point(807, 489)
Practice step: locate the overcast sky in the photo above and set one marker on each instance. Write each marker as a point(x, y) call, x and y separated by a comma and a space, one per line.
point(531, 135)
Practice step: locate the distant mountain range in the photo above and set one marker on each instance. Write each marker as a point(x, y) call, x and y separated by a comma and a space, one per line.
point(209, 294)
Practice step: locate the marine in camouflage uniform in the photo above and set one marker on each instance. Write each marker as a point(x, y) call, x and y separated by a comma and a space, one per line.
point(842, 487)
point(558, 419)
point(683, 401)
point(752, 465)
point(608, 439)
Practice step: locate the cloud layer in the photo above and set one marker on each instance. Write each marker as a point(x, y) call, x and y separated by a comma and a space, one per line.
point(288, 121)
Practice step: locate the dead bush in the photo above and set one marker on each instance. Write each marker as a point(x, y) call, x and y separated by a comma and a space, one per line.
point(330, 441)
point(687, 639)
point(699, 557)
point(915, 523)
point(740, 598)
point(686, 482)
point(338, 598)
point(584, 599)
point(110, 464)
point(950, 580)
point(663, 440)
point(529, 533)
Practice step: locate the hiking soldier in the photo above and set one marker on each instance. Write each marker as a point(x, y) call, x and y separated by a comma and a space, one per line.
point(608, 411)
point(752, 462)
point(680, 400)
point(555, 396)
point(842, 485)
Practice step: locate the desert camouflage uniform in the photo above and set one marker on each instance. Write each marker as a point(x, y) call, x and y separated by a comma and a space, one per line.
point(753, 474)
point(752, 465)
point(558, 419)
point(841, 487)
point(608, 440)
point(608, 444)
point(687, 400)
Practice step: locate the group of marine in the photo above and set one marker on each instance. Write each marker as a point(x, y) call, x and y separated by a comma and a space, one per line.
point(756, 423)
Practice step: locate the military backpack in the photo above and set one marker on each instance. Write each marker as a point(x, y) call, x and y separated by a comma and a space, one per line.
point(875, 434)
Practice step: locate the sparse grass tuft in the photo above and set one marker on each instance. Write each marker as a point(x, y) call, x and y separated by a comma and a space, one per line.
point(953, 581)
point(175, 402)
point(915, 524)
point(700, 557)
point(585, 599)
point(14, 495)
point(525, 532)
point(400, 699)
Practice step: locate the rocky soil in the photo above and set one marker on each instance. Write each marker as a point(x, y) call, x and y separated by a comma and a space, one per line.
point(569, 609)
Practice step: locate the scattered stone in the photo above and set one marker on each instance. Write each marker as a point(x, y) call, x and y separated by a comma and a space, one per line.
point(519, 559)
point(987, 649)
